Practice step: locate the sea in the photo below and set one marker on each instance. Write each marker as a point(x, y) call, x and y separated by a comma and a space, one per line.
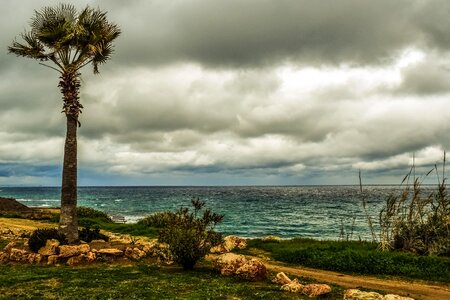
point(320, 212)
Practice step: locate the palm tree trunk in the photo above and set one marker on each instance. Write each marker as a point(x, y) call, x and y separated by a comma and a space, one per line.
point(68, 223)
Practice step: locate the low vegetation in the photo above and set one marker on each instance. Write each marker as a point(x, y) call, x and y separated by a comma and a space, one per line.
point(141, 281)
point(356, 257)
point(418, 220)
point(189, 235)
point(40, 236)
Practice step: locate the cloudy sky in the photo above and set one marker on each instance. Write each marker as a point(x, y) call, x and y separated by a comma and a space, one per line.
point(237, 92)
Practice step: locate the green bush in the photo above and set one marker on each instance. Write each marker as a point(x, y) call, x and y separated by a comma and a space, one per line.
point(157, 220)
point(190, 237)
point(88, 235)
point(90, 213)
point(39, 238)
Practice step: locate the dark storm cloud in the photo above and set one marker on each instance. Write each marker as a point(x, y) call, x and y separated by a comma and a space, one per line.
point(258, 32)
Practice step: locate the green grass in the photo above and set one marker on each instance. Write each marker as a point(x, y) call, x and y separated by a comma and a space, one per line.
point(132, 229)
point(357, 258)
point(132, 282)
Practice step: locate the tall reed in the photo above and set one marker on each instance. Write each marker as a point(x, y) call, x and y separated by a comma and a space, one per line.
point(417, 220)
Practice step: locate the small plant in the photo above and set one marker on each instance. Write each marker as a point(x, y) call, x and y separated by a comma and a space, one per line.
point(189, 235)
point(88, 235)
point(39, 238)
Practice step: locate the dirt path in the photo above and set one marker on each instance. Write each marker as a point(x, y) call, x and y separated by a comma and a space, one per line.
point(412, 289)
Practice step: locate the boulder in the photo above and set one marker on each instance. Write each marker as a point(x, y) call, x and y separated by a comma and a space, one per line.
point(77, 260)
point(252, 270)
point(281, 279)
point(293, 287)
point(18, 255)
point(90, 257)
point(35, 258)
point(50, 248)
point(69, 251)
point(228, 263)
point(110, 251)
point(231, 242)
point(134, 253)
point(231, 264)
point(52, 259)
point(354, 294)
point(396, 297)
point(314, 290)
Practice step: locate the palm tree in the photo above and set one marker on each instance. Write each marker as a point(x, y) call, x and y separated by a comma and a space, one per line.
point(70, 40)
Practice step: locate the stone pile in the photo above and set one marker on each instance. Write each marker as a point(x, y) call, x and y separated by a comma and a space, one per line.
point(85, 253)
point(294, 286)
point(230, 264)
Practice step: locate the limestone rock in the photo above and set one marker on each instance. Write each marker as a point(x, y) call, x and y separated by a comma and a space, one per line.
point(252, 270)
point(9, 246)
point(50, 248)
point(293, 287)
point(396, 297)
point(110, 251)
point(228, 263)
point(4, 257)
point(69, 251)
point(231, 242)
point(77, 260)
point(134, 253)
point(231, 264)
point(271, 238)
point(52, 259)
point(281, 279)
point(90, 257)
point(18, 255)
point(314, 290)
point(354, 294)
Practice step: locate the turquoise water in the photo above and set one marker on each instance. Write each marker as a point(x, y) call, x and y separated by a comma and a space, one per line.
point(286, 211)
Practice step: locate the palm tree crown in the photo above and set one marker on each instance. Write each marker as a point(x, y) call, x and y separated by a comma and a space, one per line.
point(68, 39)
point(71, 41)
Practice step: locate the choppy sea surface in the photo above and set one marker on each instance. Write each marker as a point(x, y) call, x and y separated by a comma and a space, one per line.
point(250, 211)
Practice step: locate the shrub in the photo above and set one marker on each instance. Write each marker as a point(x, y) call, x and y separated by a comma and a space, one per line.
point(415, 221)
point(39, 238)
point(90, 213)
point(88, 235)
point(190, 237)
point(157, 220)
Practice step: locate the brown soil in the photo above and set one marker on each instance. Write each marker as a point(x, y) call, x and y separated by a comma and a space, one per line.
point(12, 205)
point(415, 290)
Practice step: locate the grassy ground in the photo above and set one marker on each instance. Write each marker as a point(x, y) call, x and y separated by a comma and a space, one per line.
point(357, 258)
point(139, 281)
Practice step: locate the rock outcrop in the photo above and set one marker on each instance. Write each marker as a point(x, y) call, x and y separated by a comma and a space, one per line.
point(231, 264)
point(69, 251)
point(229, 243)
point(294, 286)
point(354, 294)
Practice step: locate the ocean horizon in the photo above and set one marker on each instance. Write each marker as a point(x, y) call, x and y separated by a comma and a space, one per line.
point(288, 211)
